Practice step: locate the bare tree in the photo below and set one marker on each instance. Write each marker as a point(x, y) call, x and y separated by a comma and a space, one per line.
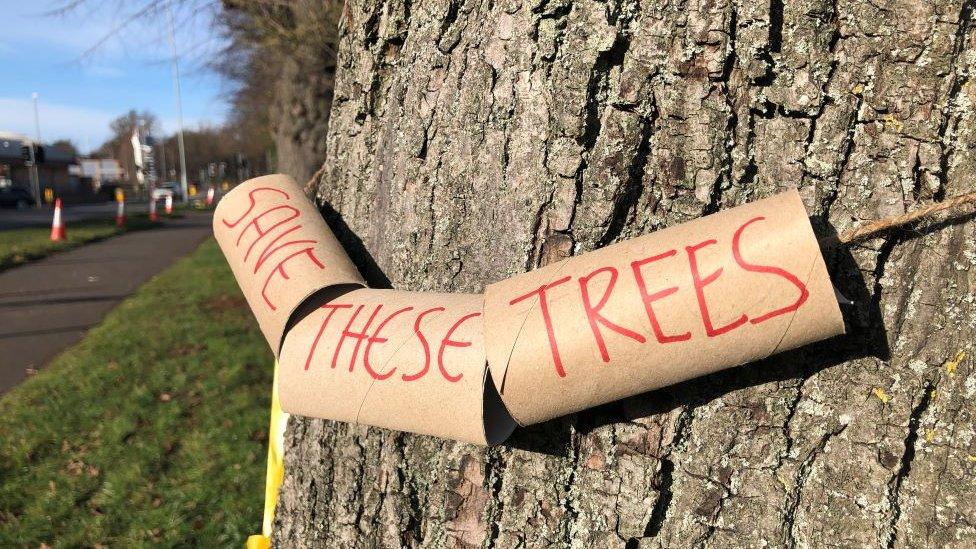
point(65, 146)
point(287, 49)
point(278, 62)
point(472, 140)
point(119, 146)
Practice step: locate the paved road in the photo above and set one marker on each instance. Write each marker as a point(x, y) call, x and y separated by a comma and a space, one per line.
point(48, 305)
point(41, 217)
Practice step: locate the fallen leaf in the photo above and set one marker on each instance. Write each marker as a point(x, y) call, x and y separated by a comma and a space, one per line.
point(75, 466)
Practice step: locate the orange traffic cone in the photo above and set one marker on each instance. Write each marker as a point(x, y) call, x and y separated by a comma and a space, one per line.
point(210, 196)
point(120, 214)
point(57, 226)
point(152, 210)
point(169, 204)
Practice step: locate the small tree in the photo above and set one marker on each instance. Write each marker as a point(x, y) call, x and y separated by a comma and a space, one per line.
point(119, 146)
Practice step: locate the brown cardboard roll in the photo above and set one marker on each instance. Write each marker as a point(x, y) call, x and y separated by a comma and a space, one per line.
point(280, 250)
point(401, 360)
point(719, 291)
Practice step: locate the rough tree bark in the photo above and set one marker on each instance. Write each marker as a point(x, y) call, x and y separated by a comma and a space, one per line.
point(475, 139)
point(300, 112)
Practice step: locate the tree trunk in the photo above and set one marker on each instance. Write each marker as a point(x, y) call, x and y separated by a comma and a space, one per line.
point(300, 112)
point(472, 140)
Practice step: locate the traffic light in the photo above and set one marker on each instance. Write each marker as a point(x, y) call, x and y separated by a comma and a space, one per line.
point(25, 154)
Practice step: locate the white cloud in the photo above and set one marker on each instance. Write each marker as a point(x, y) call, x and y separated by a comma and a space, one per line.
point(86, 127)
point(138, 54)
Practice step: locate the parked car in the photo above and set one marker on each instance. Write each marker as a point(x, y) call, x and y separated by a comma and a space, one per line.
point(169, 188)
point(16, 197)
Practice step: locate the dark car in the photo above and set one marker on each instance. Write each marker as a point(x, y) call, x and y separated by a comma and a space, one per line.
point(15, 197)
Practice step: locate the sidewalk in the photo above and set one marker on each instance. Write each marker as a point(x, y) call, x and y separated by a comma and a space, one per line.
point(48, 305)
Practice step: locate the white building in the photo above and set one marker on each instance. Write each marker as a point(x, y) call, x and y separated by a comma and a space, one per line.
point(100, 170)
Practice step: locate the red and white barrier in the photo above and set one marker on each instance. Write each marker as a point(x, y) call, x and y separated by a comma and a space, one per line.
point(57, 225)
point(169, 204)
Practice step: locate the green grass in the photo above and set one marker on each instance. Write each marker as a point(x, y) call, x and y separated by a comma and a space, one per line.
point(151, 431)
point(22, 245)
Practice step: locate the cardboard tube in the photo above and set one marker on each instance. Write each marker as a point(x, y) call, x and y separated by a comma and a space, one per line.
point(401, 360)
point(280, 250)
point(720, 291)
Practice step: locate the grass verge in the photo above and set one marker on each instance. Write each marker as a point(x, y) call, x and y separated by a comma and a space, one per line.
point(150, 431)
point(19, 246)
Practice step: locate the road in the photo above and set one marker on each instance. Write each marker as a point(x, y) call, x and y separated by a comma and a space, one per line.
point(48, 305)
point(41, 217)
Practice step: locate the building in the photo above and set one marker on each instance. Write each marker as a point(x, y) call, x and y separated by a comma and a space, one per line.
point(100, 171)
point(53, 172)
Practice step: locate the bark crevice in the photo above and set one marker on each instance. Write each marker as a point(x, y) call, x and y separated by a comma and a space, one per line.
point(905, 463)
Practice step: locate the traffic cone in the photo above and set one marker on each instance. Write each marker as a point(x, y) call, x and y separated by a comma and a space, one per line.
point(152, 210)
point(210, 196)
point(120, 214)
point(169, 204)
point(57, 226)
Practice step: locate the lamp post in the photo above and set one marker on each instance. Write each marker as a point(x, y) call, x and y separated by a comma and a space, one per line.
point(179, 105)
point(34, 175)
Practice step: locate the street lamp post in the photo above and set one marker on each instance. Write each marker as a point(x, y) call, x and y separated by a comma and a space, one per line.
point(34, 175)
point(179, 106)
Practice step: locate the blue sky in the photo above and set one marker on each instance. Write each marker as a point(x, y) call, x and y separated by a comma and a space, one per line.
point(79, 92)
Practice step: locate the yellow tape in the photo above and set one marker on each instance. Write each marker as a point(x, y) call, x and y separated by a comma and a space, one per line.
point(276, 467)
